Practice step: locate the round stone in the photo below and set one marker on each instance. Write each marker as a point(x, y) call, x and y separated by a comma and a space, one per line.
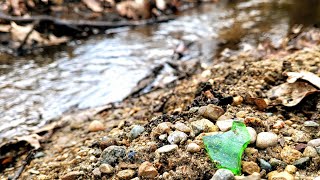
point(266, 139)
point(241, 114)
point(106, 168)
point(203, 125)
point(310, 124)
point(250, 167)
point(310, 152)
point(211, 112)
point(193, 147)
point(147, 170)
point(182, 127)
point(224, 125)
point(167, 148)
point(126, 174)
point(253, 134)
point(314, 142)
point(177, 137)
point(291, 169)
point(96, 126)
point(136, 131)
point(223, 174)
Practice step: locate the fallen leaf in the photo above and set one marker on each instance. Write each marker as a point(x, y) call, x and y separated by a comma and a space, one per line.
point(5, 28)
point(32, 139)
point(53, 40)
point(291, 94)
point(94, 5)
point(19, 33)
point(305, 75)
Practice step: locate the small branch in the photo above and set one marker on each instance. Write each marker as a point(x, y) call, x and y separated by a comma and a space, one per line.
point(23, 166)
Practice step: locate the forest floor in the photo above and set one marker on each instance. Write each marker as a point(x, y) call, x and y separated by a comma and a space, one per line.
point(271, 90)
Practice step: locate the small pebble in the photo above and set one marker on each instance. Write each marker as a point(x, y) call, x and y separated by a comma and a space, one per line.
point(96, 126)
point(96, 172)
point(274, 175)
point(177, 137)
point(237, 100)
point(193, 148)
point(291, 169)
point(223, 174)
point(224, 125)
point(310, 152)
point(310, 124)
point(300, 136)
point(163, 127)
point(112, 154)
point(314, 142)
point(290, 155)
point(277, 163)
point(250, 167)
point(126, 174)
point(136, 131)
point(265, 165)
point(279, 124)
point(147, 170)
point(163, 137)
point(203, 125)
point(211, 112)
point(241, 114)
point(106, 168)
point(288, 122)
point(167, 148)
point(302, 163)
point(253, 134)
point(182, 127)
point(254, 176)
point(266, 139)
point(300, 147)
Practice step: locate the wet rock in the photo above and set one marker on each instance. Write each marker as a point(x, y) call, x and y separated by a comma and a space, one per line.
point(310, 152)
point(203, 125)
point(106, 168)
point(73, 175)
point(290, 155)
point(302, 163)
point(254, 176)
point(250, 167)
point(96, 172)
point(253, 134)
point(266, 139)
point(182, 127)
point(223, 174)
point(126, 174)
point(274, 175)
point(314, 142)
point(177, 137)
point(276, 162)
point(300, 136)
point(112, 154)
point(291, 169)
point(211, 112)
point(224, 125)
point(193, 148)
point(136, 131)
point(147, 170)
point(167, 148)
point(96, 126)
point(310, 124)
point(265, 165)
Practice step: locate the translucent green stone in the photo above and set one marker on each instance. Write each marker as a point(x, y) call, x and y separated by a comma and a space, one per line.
point(226, 149)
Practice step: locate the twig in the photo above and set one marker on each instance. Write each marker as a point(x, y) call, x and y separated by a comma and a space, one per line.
point(24, 164)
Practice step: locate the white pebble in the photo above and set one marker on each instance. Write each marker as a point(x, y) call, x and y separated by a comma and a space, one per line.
point(266, 139)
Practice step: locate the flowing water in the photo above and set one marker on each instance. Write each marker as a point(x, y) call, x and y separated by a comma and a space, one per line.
point(105, 68)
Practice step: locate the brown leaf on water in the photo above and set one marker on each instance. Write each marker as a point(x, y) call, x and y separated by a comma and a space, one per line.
point(5, 28)
point(291, 94)
point(305, 75)
point(19, 33)
point(94, 5)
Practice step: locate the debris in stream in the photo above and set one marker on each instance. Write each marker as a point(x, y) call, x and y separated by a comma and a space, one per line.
point(225, 150)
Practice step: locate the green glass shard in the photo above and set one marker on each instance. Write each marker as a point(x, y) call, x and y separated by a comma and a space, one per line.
point(226, 149)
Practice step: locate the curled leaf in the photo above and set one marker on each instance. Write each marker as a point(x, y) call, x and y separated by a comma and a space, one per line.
point(305, 75)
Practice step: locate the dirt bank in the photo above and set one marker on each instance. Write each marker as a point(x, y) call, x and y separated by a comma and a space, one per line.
point(116, 142)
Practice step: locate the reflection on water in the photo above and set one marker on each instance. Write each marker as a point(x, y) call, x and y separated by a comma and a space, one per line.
point(103, 69)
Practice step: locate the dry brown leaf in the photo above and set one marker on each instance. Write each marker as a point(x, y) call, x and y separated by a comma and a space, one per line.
point(305, 75)
point(94, 5)
point(53, 40)
point(19, 33)
point(5, 28)
point(291, 94)
point(32, 139)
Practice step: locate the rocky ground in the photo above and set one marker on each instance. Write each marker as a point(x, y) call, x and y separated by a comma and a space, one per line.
point(159, 135)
